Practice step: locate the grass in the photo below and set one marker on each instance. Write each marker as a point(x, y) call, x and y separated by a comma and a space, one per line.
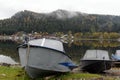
point(76, 76)
point(12, 73)
point(16, 73)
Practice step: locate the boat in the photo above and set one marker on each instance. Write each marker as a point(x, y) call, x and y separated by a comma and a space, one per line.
point(41, 57)
point(116, 58)
point(95, 61)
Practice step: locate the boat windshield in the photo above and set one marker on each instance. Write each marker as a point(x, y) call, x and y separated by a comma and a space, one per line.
point(117, 53)
point(49, 43)
point(96, 55)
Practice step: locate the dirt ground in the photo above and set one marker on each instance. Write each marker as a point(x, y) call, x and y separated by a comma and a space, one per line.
point(113, 72)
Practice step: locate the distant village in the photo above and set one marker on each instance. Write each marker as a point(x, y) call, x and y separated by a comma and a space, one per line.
point(21, 36)
point(69, 36)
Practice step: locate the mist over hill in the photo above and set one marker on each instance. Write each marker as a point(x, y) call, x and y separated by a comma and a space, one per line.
point(58, 14)
point(59, 21)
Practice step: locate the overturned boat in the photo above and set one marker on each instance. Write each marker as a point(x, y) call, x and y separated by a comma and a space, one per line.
point(42, 57)
point(95, 61)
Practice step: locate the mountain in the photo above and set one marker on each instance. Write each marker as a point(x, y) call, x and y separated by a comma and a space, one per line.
point(27, 13)
point(59, 21)
point(58, 14)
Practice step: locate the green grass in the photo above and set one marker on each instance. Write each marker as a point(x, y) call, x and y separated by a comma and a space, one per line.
point(12, 73)
point(16, 73)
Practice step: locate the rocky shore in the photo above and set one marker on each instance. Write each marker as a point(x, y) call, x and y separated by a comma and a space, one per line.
point(9, 65)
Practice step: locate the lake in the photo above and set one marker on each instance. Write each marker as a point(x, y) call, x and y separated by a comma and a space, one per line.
point(75, 49)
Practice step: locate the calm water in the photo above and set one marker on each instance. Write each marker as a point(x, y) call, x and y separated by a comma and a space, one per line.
point(8, 52)
point(75, 49)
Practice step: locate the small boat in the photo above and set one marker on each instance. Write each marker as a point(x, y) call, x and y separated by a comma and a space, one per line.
point(116, 56)
point(95, 61)
point(41, 57)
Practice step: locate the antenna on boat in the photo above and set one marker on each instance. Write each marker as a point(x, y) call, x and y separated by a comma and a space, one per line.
point(43, 41)
point(96, 53)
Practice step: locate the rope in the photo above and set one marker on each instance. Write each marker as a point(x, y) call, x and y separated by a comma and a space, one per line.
point(27, 53)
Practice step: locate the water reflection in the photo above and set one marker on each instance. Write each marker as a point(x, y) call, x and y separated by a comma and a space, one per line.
point(96, 43)
point(9, 48)
point(7, 59)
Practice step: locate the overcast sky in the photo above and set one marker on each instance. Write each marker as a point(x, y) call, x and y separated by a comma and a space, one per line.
point(10, 7)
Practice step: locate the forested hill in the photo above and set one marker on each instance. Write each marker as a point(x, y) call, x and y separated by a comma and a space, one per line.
point(59, 21)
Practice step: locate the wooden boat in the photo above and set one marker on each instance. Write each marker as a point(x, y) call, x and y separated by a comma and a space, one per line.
point(95, 61)
point(42, 57)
